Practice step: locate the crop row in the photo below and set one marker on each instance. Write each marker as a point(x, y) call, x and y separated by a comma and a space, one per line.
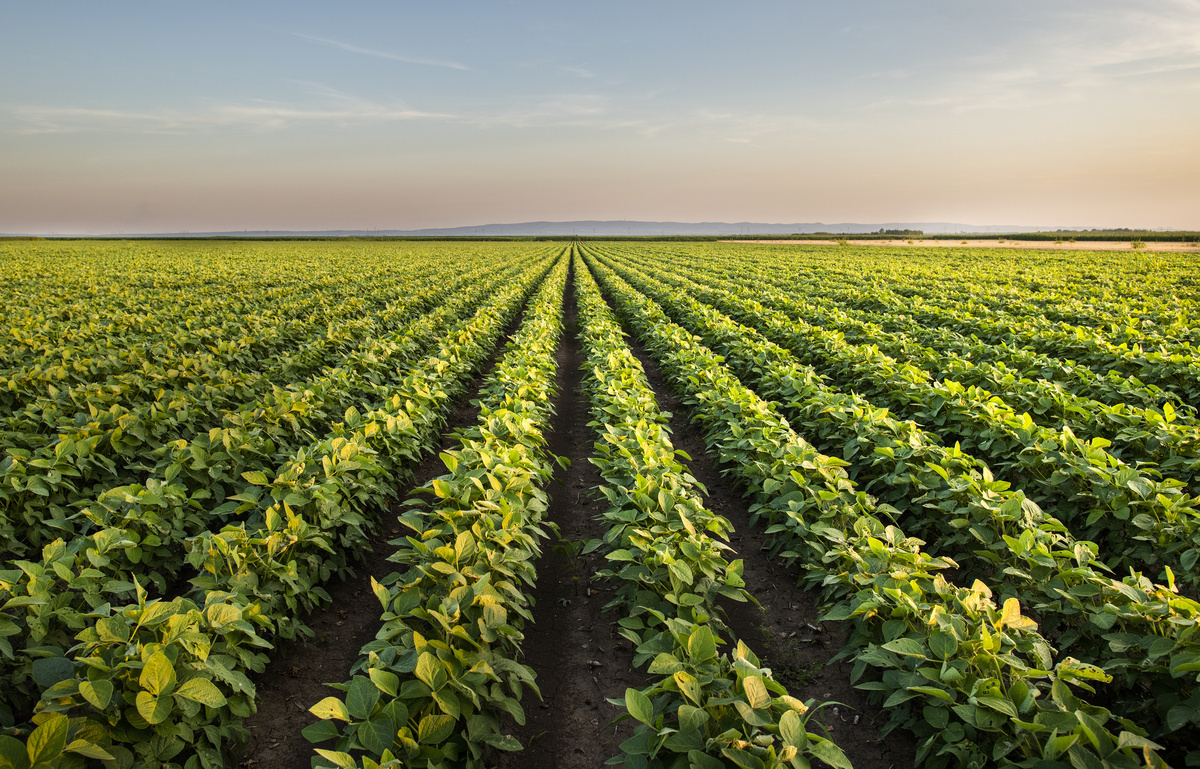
point(165, 681)
point(907, 313)
point(195, 444)
point(113, 343)
point(1090, 490)
point(443, 670)
point(667, 552)
point(1133, 299)
point(1141, 420)
point(1139, 433)
point(305, 347)
point(1141, 633)
point(975, 680)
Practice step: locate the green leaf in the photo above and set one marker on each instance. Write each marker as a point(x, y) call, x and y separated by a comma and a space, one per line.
point(340, 760)
point(742, 758)
point(934, 691)
point(503, 742)
point(435, 729)
point(906, 647)
point(943, 644)
point(897, 697)
point(330, 707)
point(158, 676)
point(361, 697)
point(699, 760)
point(751, 716)
point(12, 753)
point(681, 572)
point(97, 693)
point(639, 705)
point(320, 731)
point(203, 691)
point(791, 729)
point(46, 743)
point(1131, 740)
point(377, 734)
point(691, 719)
point(998, 704)
point(154, 709)
point(701, 644)
point(447, 701)
point(48, 671)
point(431, 671)
point(936, 717)
point(830, 753)
point(23, 600)
point(385, 680)
point(1179, 716)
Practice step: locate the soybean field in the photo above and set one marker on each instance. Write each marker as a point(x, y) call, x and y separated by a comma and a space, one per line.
point(670, 505)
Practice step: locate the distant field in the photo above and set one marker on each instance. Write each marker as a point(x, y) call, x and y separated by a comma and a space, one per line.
point(1041, 245)
point(961, 482)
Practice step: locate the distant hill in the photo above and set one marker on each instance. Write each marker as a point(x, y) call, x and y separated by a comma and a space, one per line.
point(622, 228)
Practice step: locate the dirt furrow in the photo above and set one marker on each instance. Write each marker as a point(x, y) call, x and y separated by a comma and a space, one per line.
point(297, 676)
point(785, 632)
point(572, 646)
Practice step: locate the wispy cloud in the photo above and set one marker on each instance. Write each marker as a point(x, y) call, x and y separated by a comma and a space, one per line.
point(340, 109)
point(587, 112)
point(557, 110)
point(578, 70)
point(1071, 53)
point(380, 54)
point(638, 114)
point(263, 116)
point(747, 128)
point(887, 74)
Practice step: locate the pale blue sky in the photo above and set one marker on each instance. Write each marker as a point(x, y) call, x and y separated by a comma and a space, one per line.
point(164, 116)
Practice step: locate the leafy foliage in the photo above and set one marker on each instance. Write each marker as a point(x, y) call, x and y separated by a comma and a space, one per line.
point(890, 589)
point(301, 521)
point(443, 670)
point(705, 708)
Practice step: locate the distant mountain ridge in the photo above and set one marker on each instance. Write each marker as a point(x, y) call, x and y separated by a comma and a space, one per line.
point(601, 228)
point(613, 228)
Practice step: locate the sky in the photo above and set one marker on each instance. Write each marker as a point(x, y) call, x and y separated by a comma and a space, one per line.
point(160, 116)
